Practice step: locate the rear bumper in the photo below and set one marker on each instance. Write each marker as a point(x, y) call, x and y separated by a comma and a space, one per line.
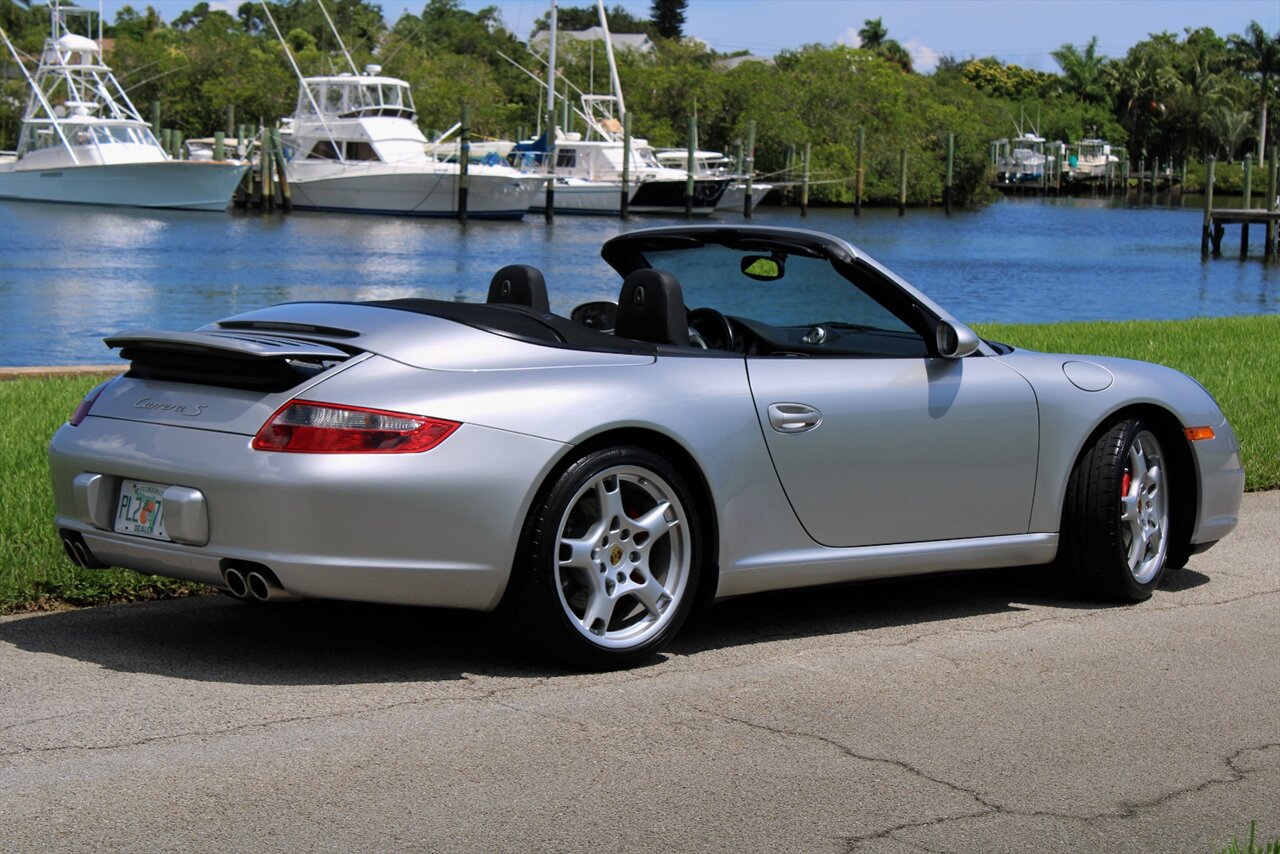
point(438, 528)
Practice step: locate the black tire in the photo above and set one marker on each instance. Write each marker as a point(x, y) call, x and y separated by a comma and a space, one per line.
point(1116, 519)
point(603, 577)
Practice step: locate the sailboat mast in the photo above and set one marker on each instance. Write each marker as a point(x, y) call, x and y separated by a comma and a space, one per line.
point(613, 66)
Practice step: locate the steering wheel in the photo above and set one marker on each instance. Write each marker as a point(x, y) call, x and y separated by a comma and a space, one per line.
point(711, 330)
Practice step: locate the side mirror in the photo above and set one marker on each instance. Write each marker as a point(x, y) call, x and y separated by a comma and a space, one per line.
point(762, 268)
point(601, 315)
point(955, 340)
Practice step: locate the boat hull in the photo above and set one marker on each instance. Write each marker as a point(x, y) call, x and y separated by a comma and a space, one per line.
point(180, 184)
point(410, 192)
point(577, 196)
point(736, 194)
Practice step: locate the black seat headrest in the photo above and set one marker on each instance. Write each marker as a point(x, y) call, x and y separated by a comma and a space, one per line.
point(519, 284)
point(651, 308)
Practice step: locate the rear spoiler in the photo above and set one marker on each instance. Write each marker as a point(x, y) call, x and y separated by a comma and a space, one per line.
point(230, 359)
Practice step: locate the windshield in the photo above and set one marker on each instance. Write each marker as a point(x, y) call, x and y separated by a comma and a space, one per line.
point(808, 290)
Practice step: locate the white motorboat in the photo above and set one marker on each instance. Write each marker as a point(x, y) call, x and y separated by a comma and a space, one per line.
point(1091, 160)
point(82, 141)
point(717, 164)
point(588, 172)
point(1026, 160)
point(353, 144)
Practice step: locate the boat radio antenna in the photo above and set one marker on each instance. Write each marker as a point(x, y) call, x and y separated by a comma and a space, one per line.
point(336, 35)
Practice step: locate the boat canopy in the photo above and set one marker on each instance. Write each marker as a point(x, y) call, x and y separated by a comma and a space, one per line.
point(348, 96)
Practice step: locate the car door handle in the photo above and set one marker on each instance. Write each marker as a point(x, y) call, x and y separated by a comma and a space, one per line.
point(793, 417)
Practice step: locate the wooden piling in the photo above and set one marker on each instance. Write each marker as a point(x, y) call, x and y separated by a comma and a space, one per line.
point(177, 145)
point(1155, 178)
point(1269, 253)
point(1246, 204)
point(691, 164)
point(464, 156)
point(789, 170)
point(1208, 207)
point(219, 146)
point(549, 212)
point(231, 119)
point(264, 159)
point(804, 186)
point(749, 166)
point(286, 195)
point(1057, 168)
point(166, 141)
point(859, 176)
point(626, 165)
point(951, 157)
point(902, 184)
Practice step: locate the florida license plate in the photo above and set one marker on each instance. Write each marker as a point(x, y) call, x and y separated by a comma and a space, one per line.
point(141, 510)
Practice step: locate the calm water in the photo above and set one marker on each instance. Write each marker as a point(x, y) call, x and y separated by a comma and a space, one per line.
point(70, 275)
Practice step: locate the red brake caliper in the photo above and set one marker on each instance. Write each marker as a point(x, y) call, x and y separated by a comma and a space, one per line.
point(1124, 485)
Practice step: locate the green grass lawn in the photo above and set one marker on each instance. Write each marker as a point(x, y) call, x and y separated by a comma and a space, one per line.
point(1238, 359)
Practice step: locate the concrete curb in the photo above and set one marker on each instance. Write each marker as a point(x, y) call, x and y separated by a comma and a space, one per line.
point(62, 371)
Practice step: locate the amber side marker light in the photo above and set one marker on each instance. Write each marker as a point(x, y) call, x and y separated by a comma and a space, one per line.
point(1197, 434)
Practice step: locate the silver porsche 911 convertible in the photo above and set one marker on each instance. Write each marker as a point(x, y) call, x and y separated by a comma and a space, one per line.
point(756, 408)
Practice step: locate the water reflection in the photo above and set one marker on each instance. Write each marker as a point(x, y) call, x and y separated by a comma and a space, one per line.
point(70, 275)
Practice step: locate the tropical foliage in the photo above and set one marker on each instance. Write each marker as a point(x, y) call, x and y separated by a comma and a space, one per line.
point(1171, 96)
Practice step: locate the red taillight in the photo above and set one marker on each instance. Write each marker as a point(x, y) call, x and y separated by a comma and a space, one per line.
point(82, 411)
point(307, 427)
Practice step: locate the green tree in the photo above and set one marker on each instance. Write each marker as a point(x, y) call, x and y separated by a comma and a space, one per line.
point(1083, 71)
point(574, 18)
point(1258, 54)
point(667, 17)
point(873, 33)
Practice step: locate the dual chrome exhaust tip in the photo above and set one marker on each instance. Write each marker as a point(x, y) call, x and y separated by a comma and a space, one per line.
point(78, 551)
point(256, 582)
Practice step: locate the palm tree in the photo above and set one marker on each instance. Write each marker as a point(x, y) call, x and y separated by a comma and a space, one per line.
point(1083, 71)
point(1231, 127)
point(872, 33)
point(1257, 53)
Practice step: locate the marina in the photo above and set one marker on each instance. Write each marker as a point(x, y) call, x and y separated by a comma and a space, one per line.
point(70, 275)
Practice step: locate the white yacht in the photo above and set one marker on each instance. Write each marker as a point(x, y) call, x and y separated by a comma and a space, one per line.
point(717, 164)
point(82, 141)
point(353, 144)
point(588, 171)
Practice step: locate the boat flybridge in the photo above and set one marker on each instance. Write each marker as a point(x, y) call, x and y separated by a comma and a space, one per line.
point(82, 140)
point(353, 144)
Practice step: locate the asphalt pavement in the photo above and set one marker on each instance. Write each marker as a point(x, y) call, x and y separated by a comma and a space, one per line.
point(974, 712)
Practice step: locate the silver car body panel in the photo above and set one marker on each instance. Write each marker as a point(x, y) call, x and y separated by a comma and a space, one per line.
point(909, 465)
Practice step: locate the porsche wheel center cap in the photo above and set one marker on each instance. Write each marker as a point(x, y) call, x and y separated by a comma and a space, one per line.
point(615, 555)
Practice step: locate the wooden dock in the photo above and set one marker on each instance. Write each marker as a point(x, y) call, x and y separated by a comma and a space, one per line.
point(1216, 220)
point(1220, 218)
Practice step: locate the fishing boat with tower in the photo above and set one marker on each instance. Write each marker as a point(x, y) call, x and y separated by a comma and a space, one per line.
point(82, 141)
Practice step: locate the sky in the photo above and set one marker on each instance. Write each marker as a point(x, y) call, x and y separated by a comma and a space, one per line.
point(1024, 32)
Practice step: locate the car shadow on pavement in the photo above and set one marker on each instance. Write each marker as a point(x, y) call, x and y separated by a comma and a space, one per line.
point(212, 638)
point(915, 600)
